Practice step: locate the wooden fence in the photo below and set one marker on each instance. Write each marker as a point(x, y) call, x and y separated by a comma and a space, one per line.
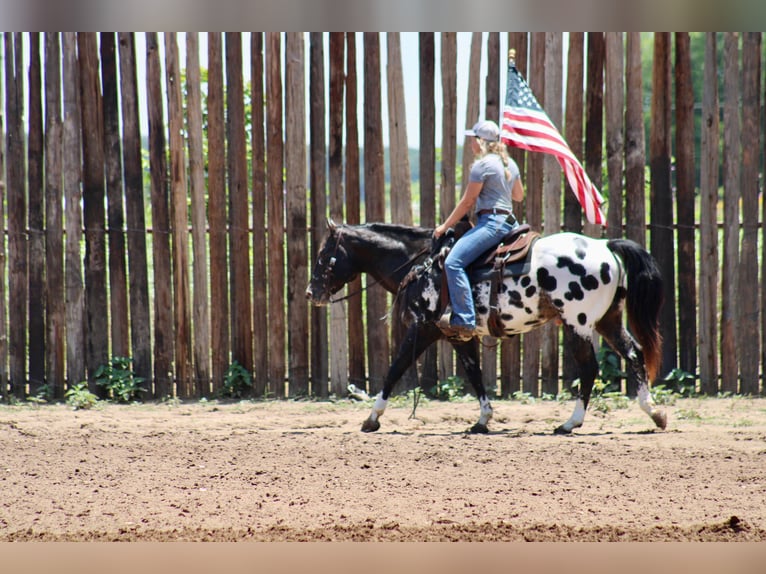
point(206, 263)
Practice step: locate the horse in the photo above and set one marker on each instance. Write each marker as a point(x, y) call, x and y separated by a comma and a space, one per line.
point(583, 283)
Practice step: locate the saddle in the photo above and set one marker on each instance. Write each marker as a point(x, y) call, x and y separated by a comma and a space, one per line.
point(510, 258)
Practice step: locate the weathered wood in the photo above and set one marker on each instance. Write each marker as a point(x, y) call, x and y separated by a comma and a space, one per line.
point(297, 250)
point(163, 296)
point(662, 195)
point(492, 104)
point(731, 182)
point(594, 116)
point(635, 147)
point(339, 360)
point(747, 296)
point(185, 387)
point(319, 362)
point(510, 349)
point(93, 191)
point(375, 206)
point(74, 286)
point(573, 214)
point(472, 107)
point(54, 230)
point(427, 167)
point(549, 333)
point(260, 300)
point(35, 217)
point(534, 207)
point(447, 192)
point(615, 106)
point(200, 306)
point(239, 255)
point(275, 209)
point(708, 277)
point(3, 309)
point(217, 218)
point(357, 372)
point(685, 201)
point(140, 327)
point(15, 199)
point(400, 194)
point(118, 290)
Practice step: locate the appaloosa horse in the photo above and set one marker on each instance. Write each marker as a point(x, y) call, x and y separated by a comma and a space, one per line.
point(582, 282)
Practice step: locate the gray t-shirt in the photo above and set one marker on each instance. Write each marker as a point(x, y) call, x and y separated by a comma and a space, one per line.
point(496, 189)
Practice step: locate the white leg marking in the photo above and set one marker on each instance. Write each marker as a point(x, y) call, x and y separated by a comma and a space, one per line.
point(645, 399)
point(485, 411)
point(577, 418)
point(379, 407)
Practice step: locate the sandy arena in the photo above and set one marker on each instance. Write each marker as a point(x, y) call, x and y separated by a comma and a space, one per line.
point(302, 470)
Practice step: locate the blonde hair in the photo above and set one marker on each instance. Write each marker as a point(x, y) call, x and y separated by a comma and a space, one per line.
point(497, 147)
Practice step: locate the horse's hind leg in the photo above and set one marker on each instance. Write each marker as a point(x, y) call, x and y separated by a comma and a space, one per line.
point(468, 353)
point(419, 337)
point(585, 357)
point(612, 329)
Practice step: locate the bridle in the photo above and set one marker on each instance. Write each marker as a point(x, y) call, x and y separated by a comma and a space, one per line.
point(327, 273)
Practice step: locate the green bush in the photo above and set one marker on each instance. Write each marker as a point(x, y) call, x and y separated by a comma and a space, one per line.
point(119, 380)
point(237, 381)
point(79, 397)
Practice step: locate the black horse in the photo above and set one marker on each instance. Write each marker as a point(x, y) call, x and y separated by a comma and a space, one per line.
point(582, 282)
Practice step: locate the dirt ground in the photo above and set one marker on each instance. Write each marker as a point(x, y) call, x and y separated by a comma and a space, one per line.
point(302, 470)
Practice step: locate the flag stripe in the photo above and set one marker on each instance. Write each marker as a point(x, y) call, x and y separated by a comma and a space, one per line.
point(526, 125)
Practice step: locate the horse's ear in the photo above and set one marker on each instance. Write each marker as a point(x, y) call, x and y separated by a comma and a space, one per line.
point(331, 225)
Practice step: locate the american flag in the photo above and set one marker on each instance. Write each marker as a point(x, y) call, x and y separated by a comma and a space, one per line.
point(527, 126)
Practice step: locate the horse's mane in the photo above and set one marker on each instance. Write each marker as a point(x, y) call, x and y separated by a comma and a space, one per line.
point(373, 231)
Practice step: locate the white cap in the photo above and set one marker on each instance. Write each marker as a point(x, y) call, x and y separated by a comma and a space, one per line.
point(486, 130)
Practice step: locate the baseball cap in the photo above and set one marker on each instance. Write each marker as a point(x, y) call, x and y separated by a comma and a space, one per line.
point(486, 130)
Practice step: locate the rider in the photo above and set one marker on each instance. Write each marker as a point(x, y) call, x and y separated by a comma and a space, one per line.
point(494, 181)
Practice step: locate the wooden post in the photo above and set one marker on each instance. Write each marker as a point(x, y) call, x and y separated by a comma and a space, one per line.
point(140, 328)
point(180, 227)
point(510, 350)
point(552, 199)
point(217, 217)
point(635, 147)
point(339, 360)
point(749, 342)
point(35, 218)
point(295, 164)
point(573, 214)
point(534, 207)
point(594, 116)
point(3, 309)
point(275, 201)
point(357, 371)
point(447, 199)
point(615, 106)
point(74, 287)
point(400, 193)
point(318, 184)
point(685, 201)
point(708, 289)
point(427, 168)
point(97, 336)
point(662, 195)
point(163, 296)
point(200, 305)
point(118, 290)
point(732, 158)
point(54, 236)
point(239, 255)
point(473, 106)
point(375, 205)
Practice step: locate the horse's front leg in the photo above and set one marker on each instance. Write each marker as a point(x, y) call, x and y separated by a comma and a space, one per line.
point(587, 366)
point(468, 353)
point(419, 337)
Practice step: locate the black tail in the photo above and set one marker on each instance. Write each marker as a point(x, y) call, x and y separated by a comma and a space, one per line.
point(645, 298)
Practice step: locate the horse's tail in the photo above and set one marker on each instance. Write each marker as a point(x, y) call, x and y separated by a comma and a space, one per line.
point(644, 301)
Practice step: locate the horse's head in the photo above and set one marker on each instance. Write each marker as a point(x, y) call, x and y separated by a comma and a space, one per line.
point(332, 270)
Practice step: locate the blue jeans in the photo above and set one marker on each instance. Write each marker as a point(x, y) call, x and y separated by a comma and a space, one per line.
point(487, 233)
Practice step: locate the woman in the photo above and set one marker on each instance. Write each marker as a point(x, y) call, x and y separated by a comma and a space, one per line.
point(492, 185)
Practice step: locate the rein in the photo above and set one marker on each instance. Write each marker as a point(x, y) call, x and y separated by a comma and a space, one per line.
point(410, 261)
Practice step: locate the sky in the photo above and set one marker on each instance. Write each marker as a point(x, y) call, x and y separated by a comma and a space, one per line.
point(410, 70)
